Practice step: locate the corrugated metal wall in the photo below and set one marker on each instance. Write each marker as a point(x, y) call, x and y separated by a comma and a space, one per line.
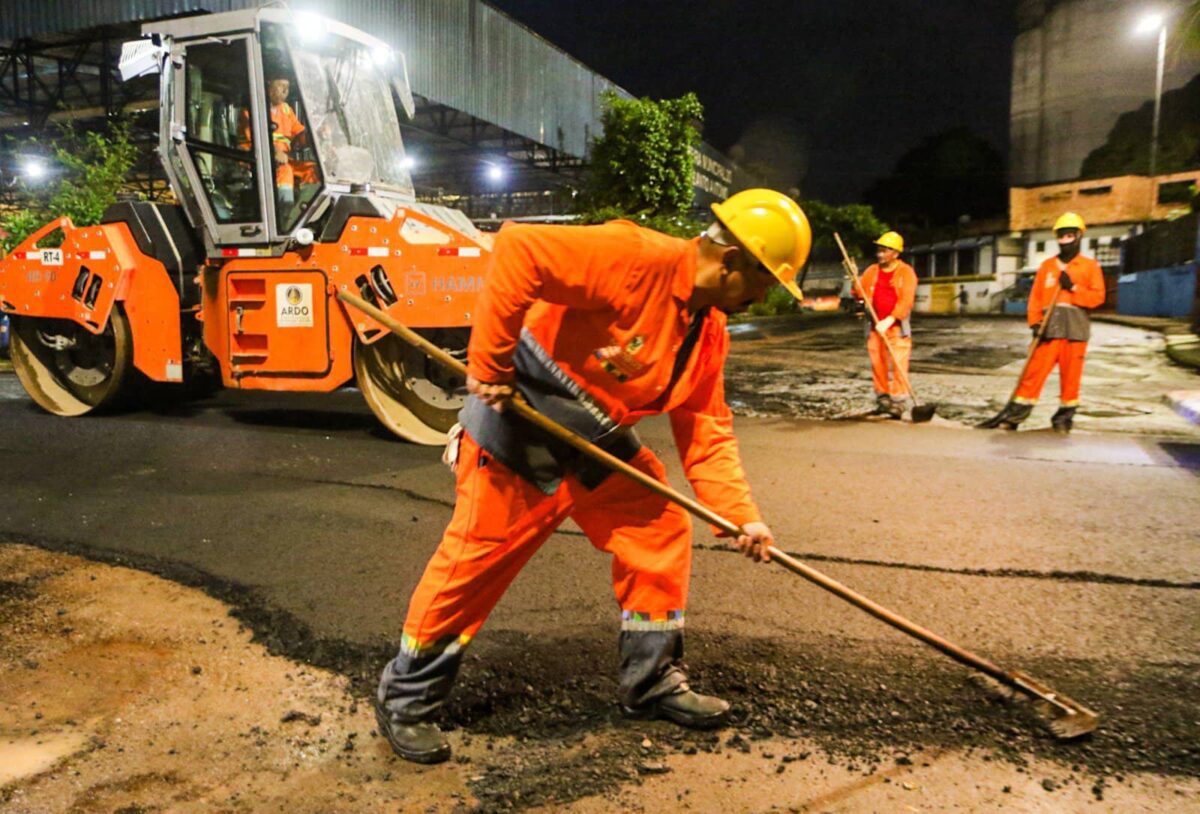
point(461, 53)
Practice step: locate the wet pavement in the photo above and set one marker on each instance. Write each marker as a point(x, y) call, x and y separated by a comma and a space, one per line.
point(816, 367)
point(1074, 558)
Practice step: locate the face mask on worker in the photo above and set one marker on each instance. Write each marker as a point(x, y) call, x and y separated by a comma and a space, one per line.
point(1068, 245)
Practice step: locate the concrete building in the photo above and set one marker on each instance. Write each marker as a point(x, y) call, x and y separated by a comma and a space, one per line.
point(1077, 66)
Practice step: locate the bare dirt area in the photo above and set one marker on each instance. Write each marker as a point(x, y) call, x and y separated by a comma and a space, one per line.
point(124, 692)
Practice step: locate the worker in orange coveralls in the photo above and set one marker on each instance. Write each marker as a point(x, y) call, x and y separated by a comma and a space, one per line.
point(597, 327)
point(286, 131)
point(892, 286)
point(1078, 283)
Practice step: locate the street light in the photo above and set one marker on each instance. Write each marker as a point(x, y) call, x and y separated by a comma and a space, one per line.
point(1150, 23)
point(495, 173)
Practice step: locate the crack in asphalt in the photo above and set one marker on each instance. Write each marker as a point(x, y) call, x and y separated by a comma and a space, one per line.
point(1093, 577)
point(409, 493)
point(1139, 464)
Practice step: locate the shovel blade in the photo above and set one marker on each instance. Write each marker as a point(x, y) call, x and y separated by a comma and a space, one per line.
point(923, 412)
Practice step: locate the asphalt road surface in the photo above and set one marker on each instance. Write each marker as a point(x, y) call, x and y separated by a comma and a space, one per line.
point(1075, 558)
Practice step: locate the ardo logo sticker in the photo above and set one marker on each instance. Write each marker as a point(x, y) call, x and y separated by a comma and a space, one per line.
point(293, 305)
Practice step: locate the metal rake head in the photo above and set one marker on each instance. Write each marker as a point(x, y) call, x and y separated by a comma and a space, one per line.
point(1067, 721)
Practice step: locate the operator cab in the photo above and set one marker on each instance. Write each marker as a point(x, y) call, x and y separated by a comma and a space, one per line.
point(268, 115)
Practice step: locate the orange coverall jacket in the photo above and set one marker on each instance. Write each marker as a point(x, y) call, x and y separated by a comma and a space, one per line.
point(1088, 292)
point(609, 305)
point(904, 280)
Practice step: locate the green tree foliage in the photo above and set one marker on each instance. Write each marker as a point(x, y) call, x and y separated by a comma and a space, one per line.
point(856, 223)
point(1127, 149)
point(642, 163)
point(946, 176)
point(88, 172)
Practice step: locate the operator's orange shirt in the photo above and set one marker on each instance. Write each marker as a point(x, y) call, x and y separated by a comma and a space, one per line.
point(609, 304)
point(904, 282)
point(1086, 276)
point(285, 125)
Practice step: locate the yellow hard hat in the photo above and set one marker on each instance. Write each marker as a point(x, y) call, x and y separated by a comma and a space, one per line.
point(773, 228)
point(1070, 220)
point(891, 240)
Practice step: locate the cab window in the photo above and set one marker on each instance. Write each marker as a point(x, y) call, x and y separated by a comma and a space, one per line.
point(297, 172)
point(219, 131)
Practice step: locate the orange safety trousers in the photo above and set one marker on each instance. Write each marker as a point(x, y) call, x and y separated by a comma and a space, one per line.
point(500, 520)
point(289, 172)
point(881, 363)
point(1068, 356)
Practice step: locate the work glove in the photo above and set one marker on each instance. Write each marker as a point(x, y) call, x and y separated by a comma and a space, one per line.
point(1035, 328)
point(883, 325)
point(1064, 281)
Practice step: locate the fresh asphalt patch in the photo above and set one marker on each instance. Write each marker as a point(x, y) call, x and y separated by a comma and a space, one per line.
point(545, 704)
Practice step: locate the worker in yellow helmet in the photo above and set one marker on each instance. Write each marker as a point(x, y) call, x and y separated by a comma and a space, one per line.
point(597, 326)
point(1075, 284)
point(891, 285)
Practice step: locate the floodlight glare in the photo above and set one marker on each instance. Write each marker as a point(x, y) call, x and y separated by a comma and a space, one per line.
point(1150, 24)
point(33, 169)
point(495, 173)
point(309, 27)
point(382, 55)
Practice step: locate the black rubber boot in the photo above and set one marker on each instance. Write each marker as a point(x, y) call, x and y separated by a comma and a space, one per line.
point(683, 707)
point(1062, 420)
point(419, 742)
point(883, 404)
point(1009, 418)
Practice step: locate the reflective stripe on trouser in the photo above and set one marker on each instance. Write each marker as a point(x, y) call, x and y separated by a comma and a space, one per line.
point(881, 363)
point(1068, 356)
point(500, 520)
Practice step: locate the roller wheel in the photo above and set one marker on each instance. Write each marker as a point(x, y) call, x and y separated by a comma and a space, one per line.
point(69, 371)
point(412, 396)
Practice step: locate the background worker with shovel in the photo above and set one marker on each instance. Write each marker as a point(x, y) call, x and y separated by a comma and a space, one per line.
point(1065, 289)
point(596, 327)
point(891, 285)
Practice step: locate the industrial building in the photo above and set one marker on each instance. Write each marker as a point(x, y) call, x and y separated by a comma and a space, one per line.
point(1077, 66)
point(503, 118)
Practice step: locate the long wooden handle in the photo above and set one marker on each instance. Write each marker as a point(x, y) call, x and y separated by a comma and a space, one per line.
point(522, 408)
point(852, 269)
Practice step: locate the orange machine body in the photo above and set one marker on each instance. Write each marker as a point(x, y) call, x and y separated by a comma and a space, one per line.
point(271, 322)
point(83, 278)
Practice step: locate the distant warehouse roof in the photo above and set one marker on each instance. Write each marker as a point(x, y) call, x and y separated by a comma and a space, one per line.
point(461, 53)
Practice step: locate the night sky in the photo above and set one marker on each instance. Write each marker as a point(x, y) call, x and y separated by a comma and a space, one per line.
point(831, 93)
